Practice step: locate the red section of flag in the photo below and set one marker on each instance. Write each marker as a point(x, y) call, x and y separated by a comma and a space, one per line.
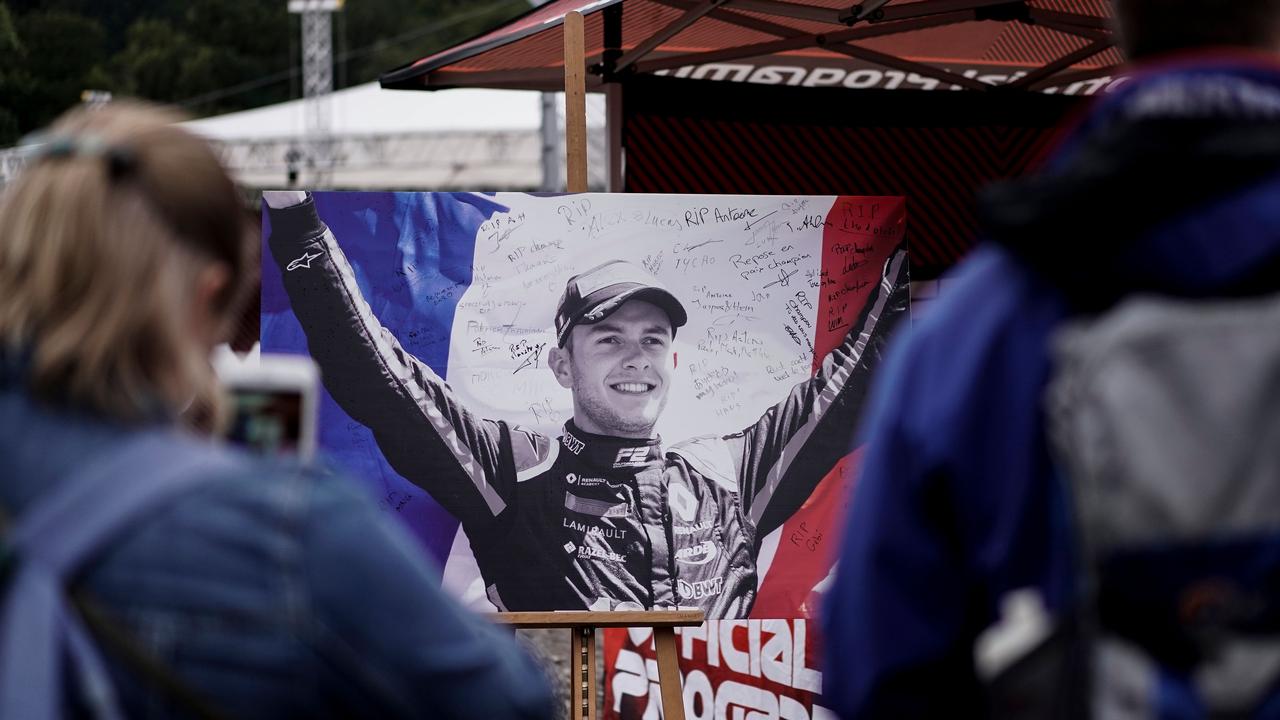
point(859, 234)
point(804, 556)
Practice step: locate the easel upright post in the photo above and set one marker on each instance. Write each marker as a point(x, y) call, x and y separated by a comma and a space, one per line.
point(582, 660)
point(582, 687)
point(664, 642)
point(575, 102)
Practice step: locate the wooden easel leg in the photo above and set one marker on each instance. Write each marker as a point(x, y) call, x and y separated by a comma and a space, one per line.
point(575, 103)
point(582, 674)
point(664, 640)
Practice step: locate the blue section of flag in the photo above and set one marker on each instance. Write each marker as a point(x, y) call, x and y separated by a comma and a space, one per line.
point(412, 255)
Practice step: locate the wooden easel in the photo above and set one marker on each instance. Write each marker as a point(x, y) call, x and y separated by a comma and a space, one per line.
point(583, 624)
point(582, 655)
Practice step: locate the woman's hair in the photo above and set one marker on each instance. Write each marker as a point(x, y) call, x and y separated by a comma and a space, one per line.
point(103, 237)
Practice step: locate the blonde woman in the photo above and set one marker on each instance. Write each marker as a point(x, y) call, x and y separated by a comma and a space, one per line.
point(246, 588)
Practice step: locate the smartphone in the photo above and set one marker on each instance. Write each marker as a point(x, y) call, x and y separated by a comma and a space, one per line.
point(273, 403)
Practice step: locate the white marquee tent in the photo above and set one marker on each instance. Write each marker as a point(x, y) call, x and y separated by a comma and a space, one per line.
point(465, 139)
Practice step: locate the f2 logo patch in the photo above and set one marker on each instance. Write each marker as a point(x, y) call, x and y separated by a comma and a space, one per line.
point(632, 456)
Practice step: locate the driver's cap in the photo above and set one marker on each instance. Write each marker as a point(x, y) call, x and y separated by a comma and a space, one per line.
point(592, 296)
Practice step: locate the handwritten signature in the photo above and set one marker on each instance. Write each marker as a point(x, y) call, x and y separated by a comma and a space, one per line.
point(527, 353)
point(690, 248)
point(784, 278)
point(760, 218)
point(806, 538)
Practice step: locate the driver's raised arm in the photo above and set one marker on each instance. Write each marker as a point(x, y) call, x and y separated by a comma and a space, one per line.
point(786, 453)
point(422, 429)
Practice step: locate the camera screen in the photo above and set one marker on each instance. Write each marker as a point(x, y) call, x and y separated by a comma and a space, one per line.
point(266, 421)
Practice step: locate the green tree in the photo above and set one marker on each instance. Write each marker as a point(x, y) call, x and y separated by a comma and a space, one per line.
point(211, 68)
point(13, 77)
point(115, 16)
point(210, 56)
point(151, 62)
point(61, 56)
point(252, 28)
point(375, 46)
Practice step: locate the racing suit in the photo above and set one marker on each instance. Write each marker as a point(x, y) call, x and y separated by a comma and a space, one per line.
point(584, 521)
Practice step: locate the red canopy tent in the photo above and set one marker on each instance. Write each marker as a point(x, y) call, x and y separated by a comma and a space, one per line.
point(974, 44)
point(836, 120)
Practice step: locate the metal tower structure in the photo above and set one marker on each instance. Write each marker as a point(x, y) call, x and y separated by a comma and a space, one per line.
point(317, 152)
point(551, 158)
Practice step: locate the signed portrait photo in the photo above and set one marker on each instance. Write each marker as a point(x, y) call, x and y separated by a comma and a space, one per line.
point(596, 401)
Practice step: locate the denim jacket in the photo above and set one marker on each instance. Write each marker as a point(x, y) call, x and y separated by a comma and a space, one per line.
point(277, 592)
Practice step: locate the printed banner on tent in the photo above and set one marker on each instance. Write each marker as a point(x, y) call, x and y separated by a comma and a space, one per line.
point(597, 401)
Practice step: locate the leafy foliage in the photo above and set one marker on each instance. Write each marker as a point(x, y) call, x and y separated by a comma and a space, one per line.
point(208, 56)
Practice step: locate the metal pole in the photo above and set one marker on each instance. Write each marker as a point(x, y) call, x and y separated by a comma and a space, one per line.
point(317, 83)
point(317, 69)
point(551, 181)
point(613, 96)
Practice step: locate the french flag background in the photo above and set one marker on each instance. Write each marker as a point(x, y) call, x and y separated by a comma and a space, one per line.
point(469, 284)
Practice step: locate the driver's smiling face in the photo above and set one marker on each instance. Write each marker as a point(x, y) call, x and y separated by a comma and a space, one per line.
point(619, 370)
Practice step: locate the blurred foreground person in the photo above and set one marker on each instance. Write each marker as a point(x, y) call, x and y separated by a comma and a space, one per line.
point(1070, 505)
point(244, 587)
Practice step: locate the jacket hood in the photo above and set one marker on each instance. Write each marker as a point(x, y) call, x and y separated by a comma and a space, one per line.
point(1171, 184)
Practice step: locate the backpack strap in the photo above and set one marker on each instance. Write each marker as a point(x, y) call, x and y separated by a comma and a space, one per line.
point(1162, 416)
point(55, 538)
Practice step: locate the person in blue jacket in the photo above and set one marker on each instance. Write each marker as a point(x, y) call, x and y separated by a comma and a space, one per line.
point(1168, 185)
point(270, 589)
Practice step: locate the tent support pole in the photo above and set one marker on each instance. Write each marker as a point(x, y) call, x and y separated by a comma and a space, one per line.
point(1070, 78)
point(797, 42)
point(575, 102)
point(613, 93)
point(891, 61)
point(1062, 63)
point(690, 16)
